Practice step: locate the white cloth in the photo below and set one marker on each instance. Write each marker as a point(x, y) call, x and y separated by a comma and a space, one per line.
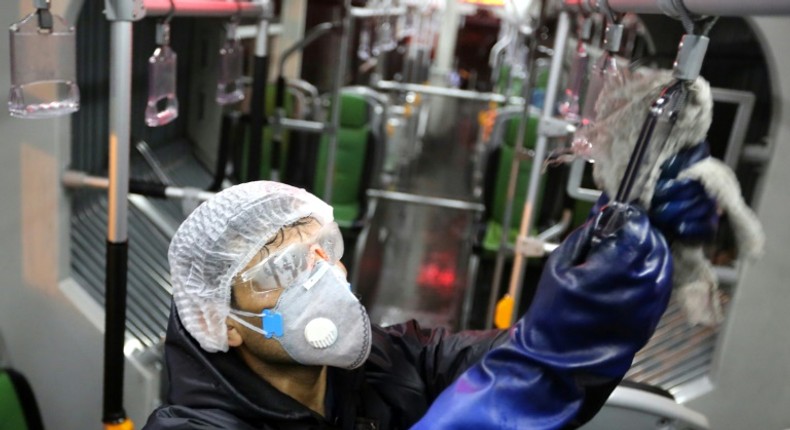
point(622, 112)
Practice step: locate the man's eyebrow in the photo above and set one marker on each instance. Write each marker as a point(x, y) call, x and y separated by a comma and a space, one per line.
point(295, 228)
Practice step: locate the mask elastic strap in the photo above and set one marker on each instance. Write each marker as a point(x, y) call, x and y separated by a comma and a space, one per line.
point(245, 313)
point(317, 275)
point(234, 314)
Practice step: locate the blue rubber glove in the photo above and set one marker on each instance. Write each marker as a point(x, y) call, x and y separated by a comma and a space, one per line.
point(595, 307)
point(680, 208)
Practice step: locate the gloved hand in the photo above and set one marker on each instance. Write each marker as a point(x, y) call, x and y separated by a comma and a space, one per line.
point(595, 307)
point(680, 208)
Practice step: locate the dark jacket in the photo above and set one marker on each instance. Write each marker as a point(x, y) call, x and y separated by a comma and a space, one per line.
point(407, 369)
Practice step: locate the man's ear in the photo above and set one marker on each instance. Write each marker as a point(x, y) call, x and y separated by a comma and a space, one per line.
point(234, 336)
point(316, 248)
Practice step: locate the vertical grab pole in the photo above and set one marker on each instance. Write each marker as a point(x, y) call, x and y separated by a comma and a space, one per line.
point(499, 267)
point(258, 118)
point(527, 217)
point(113, 413)
point(345, 32)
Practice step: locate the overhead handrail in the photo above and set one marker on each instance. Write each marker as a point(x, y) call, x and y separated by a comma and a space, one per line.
point(696, 7)
point(449, 92)
point(139, 9)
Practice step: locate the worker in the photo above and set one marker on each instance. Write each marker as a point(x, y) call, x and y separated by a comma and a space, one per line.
point(265, 332)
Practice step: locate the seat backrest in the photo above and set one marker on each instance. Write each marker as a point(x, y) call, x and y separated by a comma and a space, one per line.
point(352, 158)
point(498, 199)
point(507, 151)
point(18, 407)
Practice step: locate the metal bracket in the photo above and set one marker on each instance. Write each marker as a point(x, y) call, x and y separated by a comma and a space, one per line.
point(691, 54)
point(124, 10)
point(162, 33)
point(44, 15)
point(586, 30)
point(555, 127)
point(614, 37)
point(530, 247)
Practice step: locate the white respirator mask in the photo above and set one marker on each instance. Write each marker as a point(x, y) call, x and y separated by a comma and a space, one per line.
point(317, 319)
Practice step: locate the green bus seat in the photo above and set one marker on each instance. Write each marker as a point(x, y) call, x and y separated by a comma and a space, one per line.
point(352, 161)
point(18, 407)
point(498, 199)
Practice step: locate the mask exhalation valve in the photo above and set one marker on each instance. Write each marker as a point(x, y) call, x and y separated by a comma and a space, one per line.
point(320, 333)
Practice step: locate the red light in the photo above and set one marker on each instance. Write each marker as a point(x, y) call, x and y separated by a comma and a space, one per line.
point(438, 272)
point(446, 279)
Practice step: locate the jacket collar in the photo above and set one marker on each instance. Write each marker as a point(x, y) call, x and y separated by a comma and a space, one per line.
point(222, 380)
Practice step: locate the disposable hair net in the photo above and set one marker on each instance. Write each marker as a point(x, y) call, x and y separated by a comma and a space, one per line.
point(219, 239)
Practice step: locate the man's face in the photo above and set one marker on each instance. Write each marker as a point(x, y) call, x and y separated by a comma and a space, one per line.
point(251, 297)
